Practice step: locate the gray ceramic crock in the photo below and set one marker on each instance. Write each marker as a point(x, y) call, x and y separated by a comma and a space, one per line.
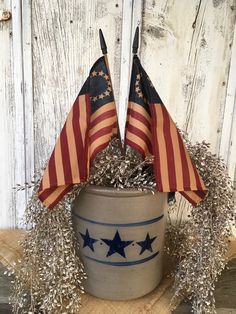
point(120, 235)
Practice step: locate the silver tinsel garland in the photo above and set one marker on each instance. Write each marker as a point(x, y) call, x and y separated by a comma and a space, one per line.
point(114, 169)
point(200, 243)
point(49, 277)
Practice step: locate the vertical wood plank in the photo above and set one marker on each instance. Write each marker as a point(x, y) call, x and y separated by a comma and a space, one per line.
point(186, 49)
point(7, 123)
point(232, 153)
point(136, 20)
point(232, 146)
point(132, 17)
point(125, 63)
point(28, 92)
point(19, 134)
point(65, 45)
point(13, 129)
point(187, 56)
point(228, 138)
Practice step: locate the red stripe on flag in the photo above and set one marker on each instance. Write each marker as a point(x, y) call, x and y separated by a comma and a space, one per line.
point(52, 170)
point(46, 193)
point(186, 175)
point(157, 168)
point(88, 112)
point(97, 150)
point(65, 156)
point(139, 117)
point(188, 198)
point(60, 196)
point(199, 185)
point(102, 132)
point(201, 193)
point(194, 197)
point(169, 149)
point(78, 140)
point(135, 146)
point(141, 134)
point(103, 116)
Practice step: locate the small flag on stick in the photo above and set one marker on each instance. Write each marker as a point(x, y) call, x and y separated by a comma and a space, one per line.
point(151, 131)
point(88, 129)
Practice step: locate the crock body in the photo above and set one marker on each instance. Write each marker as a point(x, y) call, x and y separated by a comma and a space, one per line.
point(121, 237)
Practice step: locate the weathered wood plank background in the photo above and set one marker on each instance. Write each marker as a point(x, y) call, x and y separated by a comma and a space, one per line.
point(46, 49)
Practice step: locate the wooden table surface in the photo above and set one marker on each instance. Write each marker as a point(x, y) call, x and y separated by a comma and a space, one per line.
point(225, 293)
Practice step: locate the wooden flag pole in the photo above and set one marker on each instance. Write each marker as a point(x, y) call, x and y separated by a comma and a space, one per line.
point(104, 51)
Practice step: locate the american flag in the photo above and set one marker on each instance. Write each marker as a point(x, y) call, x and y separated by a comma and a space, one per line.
point(151, 131)
point(89, 127)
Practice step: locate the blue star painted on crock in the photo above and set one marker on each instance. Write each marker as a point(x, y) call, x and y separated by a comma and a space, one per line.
point(146, 244)
point(116, 245)
point(88, 241)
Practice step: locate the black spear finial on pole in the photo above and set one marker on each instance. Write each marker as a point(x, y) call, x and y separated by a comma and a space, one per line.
point(136, 40)
point(102, 42)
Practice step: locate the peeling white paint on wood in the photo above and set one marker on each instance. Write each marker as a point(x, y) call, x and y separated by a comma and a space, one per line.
point(28, 93)
point(19, 105)
point(65, 45)
point(125, 64)
point(132, 17)
point(228, 137)
point(186, 47)
point(7, 123)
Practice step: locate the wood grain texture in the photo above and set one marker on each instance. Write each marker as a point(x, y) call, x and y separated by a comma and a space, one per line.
point(19, 163)
point(229, 109)
point(27, 88)
point(125, 64)
point(65, 45)
point(132, 17)
point(7, 123)
point(15, 161)
point(187, 48)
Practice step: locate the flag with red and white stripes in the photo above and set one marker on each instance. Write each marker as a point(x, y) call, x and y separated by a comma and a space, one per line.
point(90, 125)
point(151, 131)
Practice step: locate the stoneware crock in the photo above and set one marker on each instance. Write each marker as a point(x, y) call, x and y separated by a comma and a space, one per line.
point(120, 235)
